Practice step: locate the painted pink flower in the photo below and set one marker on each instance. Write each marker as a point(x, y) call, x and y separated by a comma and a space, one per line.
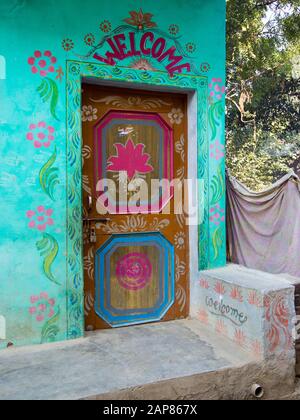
point(130, 158)
point(40, 219)
point(42, 63)
point(217, 150)
point(217, 215)
point(43, 307)
point(32, 310)
point(34, 299)
point(204, 284)
point(219, 288)
point(40, 134)
point(217, 89)
point(236, 294)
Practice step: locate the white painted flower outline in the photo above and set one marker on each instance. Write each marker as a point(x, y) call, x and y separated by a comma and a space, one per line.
point(179, 240)
point(176, 116)
point(89, 113)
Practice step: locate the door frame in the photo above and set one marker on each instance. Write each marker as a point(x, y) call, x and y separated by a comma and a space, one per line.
point(196, 89)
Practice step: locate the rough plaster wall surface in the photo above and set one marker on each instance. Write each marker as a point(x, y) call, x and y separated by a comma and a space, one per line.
point(35, 301)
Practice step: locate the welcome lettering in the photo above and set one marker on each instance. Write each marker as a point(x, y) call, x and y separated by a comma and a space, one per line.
point(124, 45)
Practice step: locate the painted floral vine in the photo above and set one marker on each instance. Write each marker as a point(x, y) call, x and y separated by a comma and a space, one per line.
point(44, 65)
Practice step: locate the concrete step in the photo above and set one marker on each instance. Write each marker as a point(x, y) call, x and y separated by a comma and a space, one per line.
point(174, 360)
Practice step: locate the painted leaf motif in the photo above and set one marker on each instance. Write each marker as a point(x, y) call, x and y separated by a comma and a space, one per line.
point(217, 241)
point(217, 187)
point(48, 176)
point(48, 248)
point(48, 92)
point(215, 114)
point(130, 159)
point(51, 329)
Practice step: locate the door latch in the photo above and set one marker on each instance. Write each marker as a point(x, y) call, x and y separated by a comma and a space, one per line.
point(93, 236)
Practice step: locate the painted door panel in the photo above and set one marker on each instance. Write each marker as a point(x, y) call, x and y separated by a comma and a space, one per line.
point(136, 271)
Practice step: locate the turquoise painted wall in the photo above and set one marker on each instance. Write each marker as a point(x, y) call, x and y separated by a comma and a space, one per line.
point(36, 40)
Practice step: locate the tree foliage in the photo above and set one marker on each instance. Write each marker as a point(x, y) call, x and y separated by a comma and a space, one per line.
point(263, 89)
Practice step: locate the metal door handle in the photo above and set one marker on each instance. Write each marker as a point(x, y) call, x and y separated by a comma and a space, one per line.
point(90, 202)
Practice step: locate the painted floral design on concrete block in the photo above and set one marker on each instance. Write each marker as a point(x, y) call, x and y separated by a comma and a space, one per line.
point(40, 218)
point(279, 330)
point(203, 316)
point(236, 294)
point(204, 284)
point(240, 338)
point(255, 299)
point(41, 135)
point(221, 328)
point(220, 288)
point(256, 348)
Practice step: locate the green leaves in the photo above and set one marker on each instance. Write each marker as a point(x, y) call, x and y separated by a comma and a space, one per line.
point(49, 92)
point(262, 90)
point(48, 249)
point(51, 329)
point(48, 176)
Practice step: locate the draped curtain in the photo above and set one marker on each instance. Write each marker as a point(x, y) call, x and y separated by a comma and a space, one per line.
point(264, 227)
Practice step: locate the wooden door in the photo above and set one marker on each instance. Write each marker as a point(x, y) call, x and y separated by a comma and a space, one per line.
point(136, 258)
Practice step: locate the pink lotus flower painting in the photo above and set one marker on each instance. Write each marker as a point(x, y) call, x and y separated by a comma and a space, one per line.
point(130, 158)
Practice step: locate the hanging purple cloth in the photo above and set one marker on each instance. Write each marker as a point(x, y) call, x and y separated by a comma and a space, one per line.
point(264, 227)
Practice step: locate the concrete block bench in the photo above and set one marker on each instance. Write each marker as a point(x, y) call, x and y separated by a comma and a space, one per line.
point(253, 309)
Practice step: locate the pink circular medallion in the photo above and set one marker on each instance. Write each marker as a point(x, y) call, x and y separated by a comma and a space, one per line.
point(134, 271)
